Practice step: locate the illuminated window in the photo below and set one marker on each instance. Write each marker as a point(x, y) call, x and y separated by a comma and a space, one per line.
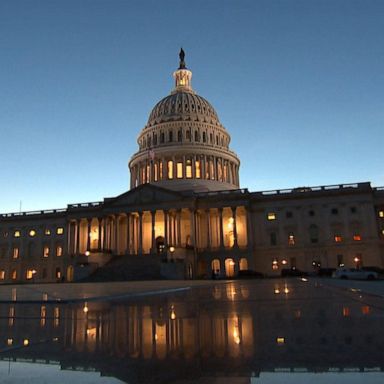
point(365, 310)
point(155, 171)
point(2, 274)
point(148, 172)
point(43, 315)
point(211, 169)
point(338, 238)
point(56, 316)
point(275, 264)
point(179, 169)
point(60, 230)
point(381, 214)
point(382, 232)
point(356, 237)
point(47, 232)
point(170, 169)
point(16, 252)
point(14, 274)
point(346, 312)
point(59, 250)
point(58, 273)
point(32, 233)
point(280, 340)
point(291, 239)
point(197, 169)
point(16, 234)
point(188, 169)
point(9, 342)
point(11, 316)
point(271, 216)
point(46, 251)
point(161, 170)
point(29, 274)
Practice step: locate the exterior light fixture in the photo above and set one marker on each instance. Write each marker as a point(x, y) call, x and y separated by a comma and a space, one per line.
point(87, 253)
point(85, 308)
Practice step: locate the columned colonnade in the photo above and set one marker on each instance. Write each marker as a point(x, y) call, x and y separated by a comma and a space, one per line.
point(143, 232)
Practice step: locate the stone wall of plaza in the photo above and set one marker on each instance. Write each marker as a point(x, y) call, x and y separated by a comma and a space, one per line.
point(225, 231)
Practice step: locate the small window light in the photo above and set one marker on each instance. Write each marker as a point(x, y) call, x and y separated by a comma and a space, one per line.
point(271, 216)
point(280, 340)
point(9, 342)
point(381, 214)
point(60, 230)
point(356, 237)
point(16, 234)
point(25, 342)
point(47, 232)
point(32, 233)
point(338, 238)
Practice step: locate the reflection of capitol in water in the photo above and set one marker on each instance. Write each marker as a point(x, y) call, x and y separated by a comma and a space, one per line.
point(188, 336)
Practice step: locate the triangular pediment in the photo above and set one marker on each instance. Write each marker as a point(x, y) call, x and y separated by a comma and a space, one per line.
point(145, 194)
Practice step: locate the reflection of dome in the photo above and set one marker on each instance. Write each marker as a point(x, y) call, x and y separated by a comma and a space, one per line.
point(184, 106)
point(184, 146)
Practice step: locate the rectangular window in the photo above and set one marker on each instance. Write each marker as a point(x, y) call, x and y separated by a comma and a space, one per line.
point(156, 170)
point(197, 169)
point(273, 238)
point(148, 173)
point(43, 315)
point(58, 273)
point(291, 239)
point(381, 214)
point(338, 238)
point(340, 262)
point(46, 251)
point(179, 168)
point(271, 216)
point(60, 230)
point(211, 170)
point(2, 274)
point(47, 232)
point(59, 250)
point(56, 316)
point(170, 169)
point(188, 169)
point(161, 170)
point(14, 274)
point(16, 252)
point(356, 237)
point(225, 172)
point(29, 274)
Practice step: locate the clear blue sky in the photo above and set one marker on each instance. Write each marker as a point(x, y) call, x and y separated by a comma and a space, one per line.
point(298, 84)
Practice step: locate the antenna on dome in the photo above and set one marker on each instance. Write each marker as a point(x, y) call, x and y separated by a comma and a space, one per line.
point(182, 56)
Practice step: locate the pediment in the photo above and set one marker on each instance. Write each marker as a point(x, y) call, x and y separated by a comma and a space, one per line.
point(145, 194)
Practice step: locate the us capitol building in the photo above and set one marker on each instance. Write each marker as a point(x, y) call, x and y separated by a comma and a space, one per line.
point(185, 215)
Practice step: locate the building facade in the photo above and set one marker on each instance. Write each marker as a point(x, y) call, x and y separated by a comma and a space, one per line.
point(185, 215)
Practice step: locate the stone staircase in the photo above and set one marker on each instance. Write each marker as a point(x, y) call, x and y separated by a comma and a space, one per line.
point(125, 267)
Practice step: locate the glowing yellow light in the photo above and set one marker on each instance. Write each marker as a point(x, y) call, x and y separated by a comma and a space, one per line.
point(356, 259)
point(85, 308)
point(277, 291)
point(280, 340)
point(284, 262)
point(171, 249)
point(25, 342)
point(274, 262)
point(232, 263)
point(9, 342)
point(271, 216)
point(304, 279)
point(87, 253)
point(173, 314)
point(286, 290)
point(91, 332)
point(32, 233)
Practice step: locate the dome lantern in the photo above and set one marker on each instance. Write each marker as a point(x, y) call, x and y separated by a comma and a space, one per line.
point(183, 76)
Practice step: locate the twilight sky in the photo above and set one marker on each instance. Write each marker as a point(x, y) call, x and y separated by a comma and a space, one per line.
point(299, 85)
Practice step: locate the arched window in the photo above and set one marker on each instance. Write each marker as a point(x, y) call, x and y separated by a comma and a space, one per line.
point(162, 137)
point(179, 135)
point(204, 137)
point(196, 136)
point(188, 135)
point(170, 133)
point(188, 169)
point(229, 268)
point(243, 264)
point(170, 169)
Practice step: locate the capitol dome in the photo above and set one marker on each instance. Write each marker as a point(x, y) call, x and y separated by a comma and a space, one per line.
point(183, 145)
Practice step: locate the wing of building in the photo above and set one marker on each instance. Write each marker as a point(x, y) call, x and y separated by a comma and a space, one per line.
point(185, 215)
